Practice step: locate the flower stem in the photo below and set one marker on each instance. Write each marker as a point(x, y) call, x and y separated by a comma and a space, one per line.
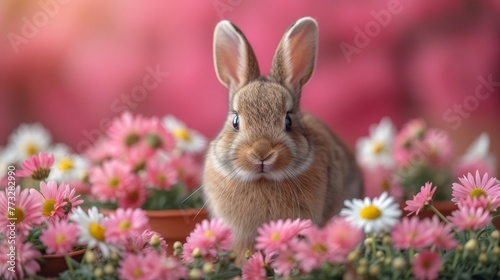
point(68, 263)
point(439, 214)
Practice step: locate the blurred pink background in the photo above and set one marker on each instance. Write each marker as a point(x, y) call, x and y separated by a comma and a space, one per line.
point(72, 65)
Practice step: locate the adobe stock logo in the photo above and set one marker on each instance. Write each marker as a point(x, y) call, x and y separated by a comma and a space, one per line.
point(483, 91)
point(40, 19)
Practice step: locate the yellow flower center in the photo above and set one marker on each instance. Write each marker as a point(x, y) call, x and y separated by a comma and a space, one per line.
point(60, 238)
point(370, 212)
point(31, 149)
point(18, 214)
point(378, 148)
point(132, 139)
point(384, 185)
point(124, 225)
point(48, 207)
point(275, 236)
point(97, 231)
point(320, 248)
point(182, 134)
point(137, 272)
point(66, 164)
point(113, 182)
point(477, 192)
point(209, 233)
point(161, 178)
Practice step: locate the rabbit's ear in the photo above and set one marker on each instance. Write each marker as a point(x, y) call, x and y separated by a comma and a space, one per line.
point(234, 59)
point(295, 57)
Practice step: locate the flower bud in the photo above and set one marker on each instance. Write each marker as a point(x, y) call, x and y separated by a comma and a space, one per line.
point(114, 256)
point(155, 240)
point(495, 235)
point(98, 273)
point(177, 245)
point(374, 270)
point(89, 257)
point(196, 253)
point(363, 262)
point(483, 258)
point(496, 251)
point(109, 269)
point(369, 241)
point(471, 245)
point(352, 256)
point(386, 240)
point(208, 268)
point(195, 273)
point(379, 254)
point(361, 271)
point(248, 254)
point(398, 263)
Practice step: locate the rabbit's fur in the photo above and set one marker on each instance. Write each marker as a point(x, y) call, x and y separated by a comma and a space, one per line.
point(257, 170)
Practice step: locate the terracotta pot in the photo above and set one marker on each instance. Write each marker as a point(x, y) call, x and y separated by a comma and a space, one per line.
point(55, 264)
point(173, 225)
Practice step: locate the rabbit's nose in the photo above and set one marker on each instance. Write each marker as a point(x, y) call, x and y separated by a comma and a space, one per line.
point(262, 150)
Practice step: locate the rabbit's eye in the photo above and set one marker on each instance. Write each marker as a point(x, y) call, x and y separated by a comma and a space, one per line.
point(236, 122)
point(288, 123)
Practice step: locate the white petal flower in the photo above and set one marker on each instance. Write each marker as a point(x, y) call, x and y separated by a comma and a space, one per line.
point(7, 157)
point(68, 167)
point(92, 231)
point(187, 140)
point(377, 215)
point(479, 150)
point(30, 139)
point(376, 149)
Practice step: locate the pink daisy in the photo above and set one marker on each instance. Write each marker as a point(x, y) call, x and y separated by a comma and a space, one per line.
point(437, 147)
point(421, 200)
point(314, 250)
point(137, 158)
point(146, 239)
point(285, 261)
point(138, 267)
point(408, 139)
point(26, 265)
point(487, 203)
point(110, 179)
point(441, 234)
point(344, 236)
point(188, 171)
point(426, 265)
point(37, 166)
point(381, 179)
point(71, 201)
point(51, 198)
point(274, 236)
point(161, 176)
point(60, 237)
point(25, 213)
point(466, 218)
point(411, 233)
point(476, 187)
point(99, 152)
point(157, 137)
point(124, 223)
point(126, 132)
point(133, 195)
point(171, 269)
point(208, 237)
point(254, 269)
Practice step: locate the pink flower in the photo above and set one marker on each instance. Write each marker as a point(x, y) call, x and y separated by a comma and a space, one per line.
point(126, 132)
point(137, 158)
point(123, 223)
point(188, 171)
point(421, 200)
point(411, 233)
point(314, 250)
point(408, 139)
point(441, 234)
point(157, 137)
point(26, 213)
point(380, 179)
point(487, 203)
point(146, 238)
point(275, 235)
point(466, 218)
point(26, 265)
point(344, 236)
point(208, 237)
point(171, 269)
point(138, 267)
point(254, 269)
point(470, 187)
point(133, 195)
point(285, 261)
point(99, 152)
point(110, 179)
point(56, 201)
point(437, 147)
point(161, 176)
point(37, 167)
point(60, 237)
point(426, 265)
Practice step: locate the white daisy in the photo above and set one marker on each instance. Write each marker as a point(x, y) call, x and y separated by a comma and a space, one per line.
point(187, 140)
point(92, 231)
point(376, 149)
point(30, 139)
point(68, 167)
point(377, 215)
point(7, 157)
point(479, 151)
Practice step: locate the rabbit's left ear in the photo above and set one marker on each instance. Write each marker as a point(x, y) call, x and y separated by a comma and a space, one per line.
point(295, 57)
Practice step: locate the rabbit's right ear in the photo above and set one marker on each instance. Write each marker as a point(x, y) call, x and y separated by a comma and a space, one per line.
point(234, 59)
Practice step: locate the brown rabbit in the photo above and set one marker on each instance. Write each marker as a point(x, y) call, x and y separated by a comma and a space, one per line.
point(271, 161)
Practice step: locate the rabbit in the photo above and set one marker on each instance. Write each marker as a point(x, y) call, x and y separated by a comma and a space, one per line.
point(270, 160)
